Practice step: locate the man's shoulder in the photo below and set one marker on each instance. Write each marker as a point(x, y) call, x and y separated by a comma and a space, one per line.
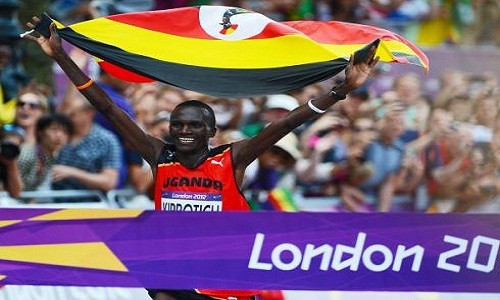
point(218, 150)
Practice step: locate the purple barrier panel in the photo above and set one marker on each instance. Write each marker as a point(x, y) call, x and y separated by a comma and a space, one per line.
point(258, 250)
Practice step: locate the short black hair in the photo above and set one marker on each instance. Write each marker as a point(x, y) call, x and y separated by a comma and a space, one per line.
point(209, 112)
point(55, 118)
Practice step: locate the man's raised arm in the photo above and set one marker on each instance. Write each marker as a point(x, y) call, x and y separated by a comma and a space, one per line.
point(357, 72)
point(147, 146)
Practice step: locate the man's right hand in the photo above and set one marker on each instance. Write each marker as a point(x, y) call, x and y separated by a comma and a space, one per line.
point(51, 46)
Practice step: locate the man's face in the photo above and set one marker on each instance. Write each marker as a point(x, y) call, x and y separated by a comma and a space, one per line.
point(54, 136)
point(190, 129)
point(80, 114)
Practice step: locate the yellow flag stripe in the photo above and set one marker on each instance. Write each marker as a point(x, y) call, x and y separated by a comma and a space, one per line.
point(94, 255)
point(207, 53)
point(382, 51)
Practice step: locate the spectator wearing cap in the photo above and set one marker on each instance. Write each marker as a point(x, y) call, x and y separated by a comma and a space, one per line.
point(275, 107)
point(273, 168)
point(11, 139)
point(53, 131)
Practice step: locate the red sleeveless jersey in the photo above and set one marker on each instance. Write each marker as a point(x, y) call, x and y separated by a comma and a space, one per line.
point(209, 187)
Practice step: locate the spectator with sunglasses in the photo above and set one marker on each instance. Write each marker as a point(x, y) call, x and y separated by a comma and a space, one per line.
point(30, 106)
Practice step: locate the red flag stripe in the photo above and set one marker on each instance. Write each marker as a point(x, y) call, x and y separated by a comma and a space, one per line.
point(188, 26)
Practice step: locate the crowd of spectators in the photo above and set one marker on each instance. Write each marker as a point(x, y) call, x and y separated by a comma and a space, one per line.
point(403, 150)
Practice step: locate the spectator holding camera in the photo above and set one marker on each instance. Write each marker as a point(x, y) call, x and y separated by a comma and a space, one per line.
point(11, 138)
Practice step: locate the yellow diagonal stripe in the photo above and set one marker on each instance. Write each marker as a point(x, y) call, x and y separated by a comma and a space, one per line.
point(94, 255)
point(265, 53)
point(86, 214)
point(2, 277)
point(6, 223)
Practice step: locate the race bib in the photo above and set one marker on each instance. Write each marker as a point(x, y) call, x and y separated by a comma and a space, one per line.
point(189, 201)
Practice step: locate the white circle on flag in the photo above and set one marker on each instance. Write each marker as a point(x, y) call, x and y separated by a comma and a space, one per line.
point(244, 24)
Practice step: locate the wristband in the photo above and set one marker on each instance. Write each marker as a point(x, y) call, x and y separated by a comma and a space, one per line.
point(336, 96)
point(85, 85)
point(314, 108)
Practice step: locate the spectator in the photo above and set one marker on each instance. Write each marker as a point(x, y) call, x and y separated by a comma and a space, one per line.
point(29, 108)
point(480, 183)
point(486, 27)
point(144, 109)
point(386, 156)
point(344, 10)
point(450, 157)
point(275, 107)
point(53, 131)
point(7, 101)
point(336, 164)
point(106, 7)
point(273, 168)
point(325, 147)
point(167, 98)
point(160, 126)
point(485, 115)
point(228, 112)
point(11, 139)
point(91, 160)
point(72, 11)
point(407, 94)
point(397, 15)
point(453, 83)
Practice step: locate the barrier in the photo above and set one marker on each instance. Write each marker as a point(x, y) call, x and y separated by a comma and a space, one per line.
point(260, 250)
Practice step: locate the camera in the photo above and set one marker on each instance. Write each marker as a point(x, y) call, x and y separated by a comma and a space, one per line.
point(9, 150)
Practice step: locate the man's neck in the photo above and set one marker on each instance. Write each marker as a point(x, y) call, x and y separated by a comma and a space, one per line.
point(81, 132)
point(192, 160)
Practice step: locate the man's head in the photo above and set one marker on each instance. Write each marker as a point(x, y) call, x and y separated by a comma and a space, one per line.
point(53, 131)
point(192, 124)
point(81, 113)
point(392, 126)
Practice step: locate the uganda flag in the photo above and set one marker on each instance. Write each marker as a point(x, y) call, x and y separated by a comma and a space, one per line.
point(228, 51)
